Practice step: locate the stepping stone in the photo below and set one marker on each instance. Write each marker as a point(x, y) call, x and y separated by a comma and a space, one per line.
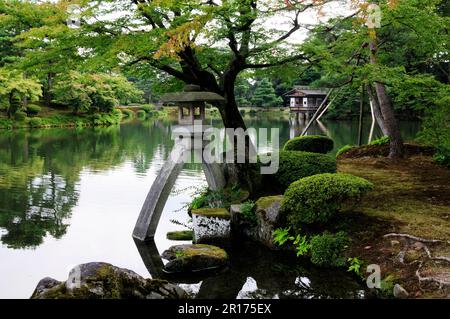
point(180, 235)
point(194, 258)
point(211, 225)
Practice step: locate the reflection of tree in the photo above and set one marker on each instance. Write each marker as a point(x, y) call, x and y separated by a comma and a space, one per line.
point(39, 208)
point(39, 172)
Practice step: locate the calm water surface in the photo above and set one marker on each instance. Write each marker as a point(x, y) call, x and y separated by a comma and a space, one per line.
point(71, 196)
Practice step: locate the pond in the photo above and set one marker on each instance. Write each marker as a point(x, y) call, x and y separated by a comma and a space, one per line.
point(71, 196)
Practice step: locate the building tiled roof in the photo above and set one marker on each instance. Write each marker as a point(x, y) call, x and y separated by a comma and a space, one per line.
point(306, 91)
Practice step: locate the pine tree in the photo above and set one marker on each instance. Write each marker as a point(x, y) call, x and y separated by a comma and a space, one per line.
point(265, 96)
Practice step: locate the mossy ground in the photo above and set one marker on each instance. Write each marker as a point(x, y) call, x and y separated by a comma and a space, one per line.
point(411, 196)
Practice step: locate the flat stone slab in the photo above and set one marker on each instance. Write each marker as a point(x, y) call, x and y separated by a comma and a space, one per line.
point(194, 258)
point(180, 235)
point(211, 225)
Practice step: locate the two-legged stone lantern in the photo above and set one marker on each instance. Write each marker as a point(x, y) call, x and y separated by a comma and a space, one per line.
point(191, 106)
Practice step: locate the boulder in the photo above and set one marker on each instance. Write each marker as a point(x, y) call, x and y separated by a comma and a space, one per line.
point(104, 281)
point(400, 292)
point(211, 225)
point(268, 217)
point(180, 235)
point(194, 258)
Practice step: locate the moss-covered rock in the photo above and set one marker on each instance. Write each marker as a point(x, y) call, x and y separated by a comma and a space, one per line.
point(211, 225)
point(267, 216)
point(221, 213)
point(105, 281)
point(194, 258)
point(180, 235)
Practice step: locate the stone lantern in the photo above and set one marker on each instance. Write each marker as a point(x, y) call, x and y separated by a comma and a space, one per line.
point(191, 103)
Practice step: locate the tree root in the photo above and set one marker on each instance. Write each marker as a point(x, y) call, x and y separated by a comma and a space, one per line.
point(441, 281)
point(422, 240)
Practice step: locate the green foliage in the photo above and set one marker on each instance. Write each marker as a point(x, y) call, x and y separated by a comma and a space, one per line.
point(295, 165)
point(316, 199)
point(327, 250)
point(312, 143)
point(248, 212)
point(127, 113)
point(93, 92)
point(344, 149)
point(20, 116)
point(148, 108)
point(355, 265)
point(14, 87)
point(436, 127)
point(381, 141)
point(33, 109)
point(35, 122)
point(264, 95)
point(281, 236)
point(302, 245)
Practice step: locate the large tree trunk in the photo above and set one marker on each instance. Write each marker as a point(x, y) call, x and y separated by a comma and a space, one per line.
point(391, 123)
point(387, 111)
point(377, 110)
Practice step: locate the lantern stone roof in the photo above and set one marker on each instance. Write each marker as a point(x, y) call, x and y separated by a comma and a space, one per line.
point(192, 93)
point(302, 91)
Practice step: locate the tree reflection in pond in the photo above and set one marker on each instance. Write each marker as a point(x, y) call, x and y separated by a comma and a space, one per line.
point(39, 171)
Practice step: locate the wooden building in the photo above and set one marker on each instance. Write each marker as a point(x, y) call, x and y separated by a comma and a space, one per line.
point(304, 101)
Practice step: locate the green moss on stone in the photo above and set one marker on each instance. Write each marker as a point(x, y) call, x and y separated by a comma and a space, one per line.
point(180, 235)
point(212, 212)
point(266, 202)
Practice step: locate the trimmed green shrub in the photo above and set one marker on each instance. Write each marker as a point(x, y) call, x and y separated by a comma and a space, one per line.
point(33, 109)
point(148, 108)
point(20, 116)
point(316, 199)
point(381, 141)
point(327, 250)
point(313, 143)
point(127, 113)
point(344, 149)
point(295, 165)
point(35, 122)
point(141, 114)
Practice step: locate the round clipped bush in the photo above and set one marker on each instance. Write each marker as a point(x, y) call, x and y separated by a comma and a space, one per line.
point(295, 165)
point(141, 114)
point(35, 122)
point(33, 109)
point(312, 143)
point(20, 116)
point(127, 113)
point(148, 108)
point(316, 199)
point(327, 250)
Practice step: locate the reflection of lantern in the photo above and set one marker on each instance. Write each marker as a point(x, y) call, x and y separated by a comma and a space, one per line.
point(191, 103)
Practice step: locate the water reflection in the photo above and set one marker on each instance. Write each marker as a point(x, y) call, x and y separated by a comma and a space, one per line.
point(275, 275)
point(70, 196)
